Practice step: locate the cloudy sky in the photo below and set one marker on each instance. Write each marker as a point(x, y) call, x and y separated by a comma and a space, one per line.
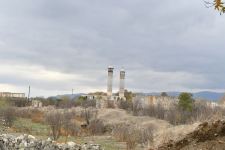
point(57, 45)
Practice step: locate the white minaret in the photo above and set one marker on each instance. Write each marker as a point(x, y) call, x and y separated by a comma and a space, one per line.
point(110, 79)
point(122, 83)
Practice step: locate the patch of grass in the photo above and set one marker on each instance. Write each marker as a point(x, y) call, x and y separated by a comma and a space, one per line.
point(107, 142)
point(41, 131)
point(27, 126)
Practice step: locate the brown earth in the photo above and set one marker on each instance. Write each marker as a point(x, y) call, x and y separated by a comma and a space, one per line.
point(208, 136)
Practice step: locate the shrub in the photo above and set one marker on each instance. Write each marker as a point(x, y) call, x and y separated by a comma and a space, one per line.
point(55, 120)
point(110, 104)
point(37, 116)
point(133, 135)
point(125, 104)
point(8, 116)
point(96, 127)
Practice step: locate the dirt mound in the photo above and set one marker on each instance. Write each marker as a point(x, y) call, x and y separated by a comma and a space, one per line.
point(206, 137)
point(174, 133)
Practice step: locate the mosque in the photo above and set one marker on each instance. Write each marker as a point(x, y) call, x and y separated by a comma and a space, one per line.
point(102, 101)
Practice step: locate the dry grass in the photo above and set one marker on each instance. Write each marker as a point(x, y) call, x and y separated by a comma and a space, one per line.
point(37, 117)
point(118, 116)
point(163, 131)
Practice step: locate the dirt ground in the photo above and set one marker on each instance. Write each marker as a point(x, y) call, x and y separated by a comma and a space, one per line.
point(207, 136)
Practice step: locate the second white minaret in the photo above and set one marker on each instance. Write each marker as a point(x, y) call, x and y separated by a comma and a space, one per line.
point(122, 83)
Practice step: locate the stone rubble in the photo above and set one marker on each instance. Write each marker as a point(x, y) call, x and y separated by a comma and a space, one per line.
point(29, 142)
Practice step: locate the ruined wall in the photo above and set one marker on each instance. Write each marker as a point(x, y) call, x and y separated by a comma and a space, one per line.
point(165, 101)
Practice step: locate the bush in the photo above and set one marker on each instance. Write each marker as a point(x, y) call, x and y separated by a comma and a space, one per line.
point(96, 127)
point(176, 114)
point(133, 135)
point(8, 116)
point(55, 120)
point(186, 101)
point(126, 105)
point(37, 116)
point(110, 104)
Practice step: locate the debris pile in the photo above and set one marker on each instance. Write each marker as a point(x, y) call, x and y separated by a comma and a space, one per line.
point(29, 142)
point(206, 136)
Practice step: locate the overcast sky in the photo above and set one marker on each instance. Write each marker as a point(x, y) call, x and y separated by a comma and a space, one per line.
point(57, 45)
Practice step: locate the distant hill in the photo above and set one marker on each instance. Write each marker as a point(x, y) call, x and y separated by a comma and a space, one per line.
point(207, 95)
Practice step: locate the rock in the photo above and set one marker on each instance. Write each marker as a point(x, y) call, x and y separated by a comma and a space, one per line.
point(31, 137)
point(71, 144)
point(29, 142)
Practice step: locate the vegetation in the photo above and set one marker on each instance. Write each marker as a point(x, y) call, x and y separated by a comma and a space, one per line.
point(128, 95)
point(133, 135)
point(27, 126)
point(164, 94)
point(62, 123)
point(185, 112)
point(186, 101)
point(8, 116)
point(217, 4)
point(18, 102)
point(55, 121)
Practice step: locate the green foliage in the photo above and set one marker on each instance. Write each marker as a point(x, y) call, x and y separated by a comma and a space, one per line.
point(186, 101)
point(81, 100)
point(27, 126)
point(8, 115)
point(3, 103)
point(128, 95)
point(98, 93)
point(164, 94)
point(12, 101)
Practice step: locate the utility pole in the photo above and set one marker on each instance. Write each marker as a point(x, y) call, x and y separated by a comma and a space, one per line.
point(72, 91)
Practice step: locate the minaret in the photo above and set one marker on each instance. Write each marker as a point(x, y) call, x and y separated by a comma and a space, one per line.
point(122, 83)
point(110, 79)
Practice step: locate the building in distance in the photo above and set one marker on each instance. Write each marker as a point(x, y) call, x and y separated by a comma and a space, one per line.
point(13, 95)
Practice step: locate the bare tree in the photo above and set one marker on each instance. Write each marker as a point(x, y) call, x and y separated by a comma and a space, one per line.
point(133, 134)
point(55, 120)
point(96, 127)
point(67, 123)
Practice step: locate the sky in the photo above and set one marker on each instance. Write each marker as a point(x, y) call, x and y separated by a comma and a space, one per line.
point(58, 45)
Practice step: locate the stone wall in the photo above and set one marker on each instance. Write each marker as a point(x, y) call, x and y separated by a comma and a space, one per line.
point(29, 142)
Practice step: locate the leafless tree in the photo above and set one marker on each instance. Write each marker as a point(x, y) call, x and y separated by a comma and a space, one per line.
point(133, 134)
point(67, 122)
point(137, 108)
point(55, 120)
point(96, 127)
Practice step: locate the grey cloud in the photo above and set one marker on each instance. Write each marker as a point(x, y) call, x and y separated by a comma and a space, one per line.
point(85, 36)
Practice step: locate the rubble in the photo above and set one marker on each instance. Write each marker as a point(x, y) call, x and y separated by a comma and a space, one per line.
point(29, 142)
point(207, 136)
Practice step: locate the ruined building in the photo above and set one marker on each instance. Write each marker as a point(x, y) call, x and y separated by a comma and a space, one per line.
point(13, 95)
point(151, 100)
